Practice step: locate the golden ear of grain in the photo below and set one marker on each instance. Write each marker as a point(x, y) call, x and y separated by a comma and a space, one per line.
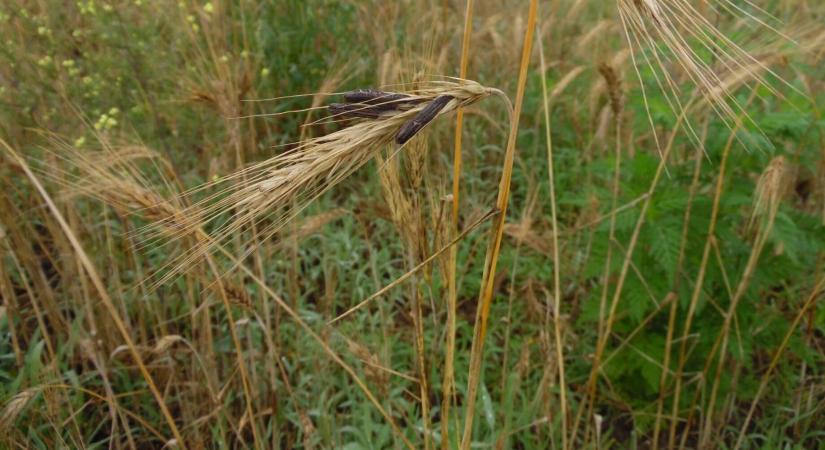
point(165, 343)
point(771, 189)
point(614, 87)
point(273, 192)
point(15, 406)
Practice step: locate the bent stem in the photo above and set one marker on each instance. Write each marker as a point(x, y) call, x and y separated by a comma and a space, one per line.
point(497, 232)
point(104, 296)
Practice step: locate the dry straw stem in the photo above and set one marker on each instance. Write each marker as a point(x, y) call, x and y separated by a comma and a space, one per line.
point(614, 90)
point(417, 268)
point(694, 187)
point(334, 356)
point(488, 279)
point(448, 378)
point(556, 261)
point(698, 284)
point(272, 192)
point(671, 21)
point(407, 216)
point(114, 194)
point(200, 236)
point(770, 189)
point(111, 177)
point(101, 289)
point(809, 303)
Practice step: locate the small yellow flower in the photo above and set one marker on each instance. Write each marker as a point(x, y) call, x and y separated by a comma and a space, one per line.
point(42, 31)
point(68, 63)
point(101, 122)
point(114, 111)
point(264, 72)
point(208, 8)
point(80, 141)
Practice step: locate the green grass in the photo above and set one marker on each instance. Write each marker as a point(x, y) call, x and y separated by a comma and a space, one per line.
point(170, 77)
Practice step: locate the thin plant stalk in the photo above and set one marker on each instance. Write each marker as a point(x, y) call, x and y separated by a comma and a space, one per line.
point(721, 342)
point(556, 261)
point(614, 303)
point(809, 303)
point(697, 291)
point(448, 381)
point(104, 296)
point(674, 306)
point(295, 316)
point(700, 278)
point(488, 279)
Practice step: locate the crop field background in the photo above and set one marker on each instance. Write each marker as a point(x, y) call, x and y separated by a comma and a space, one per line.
point(611, 234)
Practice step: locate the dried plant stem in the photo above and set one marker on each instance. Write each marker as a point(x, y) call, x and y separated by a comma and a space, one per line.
point(121, 409)
point(448, 380)
point(674, 306)
point(697, 292)
point(604, 329)
point(721, 342)
point(235, 138)
point(700, 278)
point(423, 379)
point(104, 296)
point(604, 334)
point(236, 342)
point(417, 268)
point(556, 261)
point(11, 311)
point(809, 303)
point(488, 279)
point(295, 316)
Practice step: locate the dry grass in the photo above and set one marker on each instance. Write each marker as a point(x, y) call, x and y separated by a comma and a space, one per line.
point(247, 309)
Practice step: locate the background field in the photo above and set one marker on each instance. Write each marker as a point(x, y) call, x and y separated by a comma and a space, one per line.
point(676, 302)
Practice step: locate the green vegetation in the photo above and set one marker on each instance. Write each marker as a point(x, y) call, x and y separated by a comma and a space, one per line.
point(675, 303)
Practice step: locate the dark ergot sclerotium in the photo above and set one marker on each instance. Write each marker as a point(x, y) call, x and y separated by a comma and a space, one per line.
point(425, 116)
point(355, 110)
point(371, 103)
point(376, 97)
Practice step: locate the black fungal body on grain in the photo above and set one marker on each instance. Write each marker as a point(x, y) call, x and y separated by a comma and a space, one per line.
point(425, 116)
point(348, 110)
point(381, 99)
point(372, 104)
